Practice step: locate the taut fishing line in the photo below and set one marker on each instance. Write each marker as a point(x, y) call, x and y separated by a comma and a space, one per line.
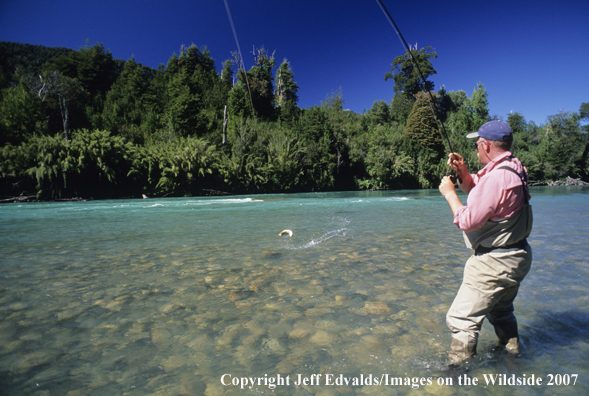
point(432, 103)
point(242, 66)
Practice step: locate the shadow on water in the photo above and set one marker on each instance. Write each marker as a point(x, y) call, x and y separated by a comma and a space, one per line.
point(553, 330)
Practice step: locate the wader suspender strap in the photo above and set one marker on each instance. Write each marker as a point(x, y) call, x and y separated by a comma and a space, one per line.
point(524, 177)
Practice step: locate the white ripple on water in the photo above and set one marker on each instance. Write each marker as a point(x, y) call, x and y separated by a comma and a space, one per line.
point(314, 242)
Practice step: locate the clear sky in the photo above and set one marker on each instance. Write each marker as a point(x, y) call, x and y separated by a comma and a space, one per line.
point(531, 56)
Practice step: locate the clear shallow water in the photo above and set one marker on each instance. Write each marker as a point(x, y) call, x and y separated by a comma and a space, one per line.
point(165, 296)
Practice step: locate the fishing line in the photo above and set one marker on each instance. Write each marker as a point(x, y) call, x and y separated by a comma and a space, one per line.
point(240, 55)
point(432, 103)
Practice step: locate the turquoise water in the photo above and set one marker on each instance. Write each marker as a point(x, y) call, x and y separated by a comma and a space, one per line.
point(183, 296)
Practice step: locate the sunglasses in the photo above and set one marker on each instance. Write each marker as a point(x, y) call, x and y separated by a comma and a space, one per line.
point(475, 145)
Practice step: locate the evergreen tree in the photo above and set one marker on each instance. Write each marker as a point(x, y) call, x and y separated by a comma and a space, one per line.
point(286, 87)
point(380, 112)
point(421, 127)
point(227, 75)
point(584, 115)
point(21, 114)
point(564, 145)
point(184, 107)
point(155, 101)
point(519, 128)
point(123, 106)
point(517, 122)
point(238, 103)
point(94, 69)
point(478, 105)
point(259, 80)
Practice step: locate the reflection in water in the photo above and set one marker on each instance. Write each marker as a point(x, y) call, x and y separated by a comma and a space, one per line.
point(166, 296)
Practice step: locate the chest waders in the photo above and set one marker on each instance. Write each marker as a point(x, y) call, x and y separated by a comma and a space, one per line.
point(492, 275)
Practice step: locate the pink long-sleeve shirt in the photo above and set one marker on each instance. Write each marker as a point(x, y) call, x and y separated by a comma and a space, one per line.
point(497, 194)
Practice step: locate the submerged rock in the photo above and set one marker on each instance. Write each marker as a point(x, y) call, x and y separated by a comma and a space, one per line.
point(372, 308)
point(173, 363)
point(323, 338)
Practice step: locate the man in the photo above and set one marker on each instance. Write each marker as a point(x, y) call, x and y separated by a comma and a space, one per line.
point(496, 221)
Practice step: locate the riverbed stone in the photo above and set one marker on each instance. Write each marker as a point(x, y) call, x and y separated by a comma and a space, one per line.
point(372, 308)
point(323, 338)
point(160, 335)
point(173, 362)
point(274, 346)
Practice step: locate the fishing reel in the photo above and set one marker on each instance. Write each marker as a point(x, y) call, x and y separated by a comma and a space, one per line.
point(453, 177)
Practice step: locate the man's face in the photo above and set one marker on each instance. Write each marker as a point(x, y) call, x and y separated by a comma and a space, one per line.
point(481, 153)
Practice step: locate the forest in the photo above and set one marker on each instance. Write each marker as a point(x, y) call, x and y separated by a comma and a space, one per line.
point(81, 124)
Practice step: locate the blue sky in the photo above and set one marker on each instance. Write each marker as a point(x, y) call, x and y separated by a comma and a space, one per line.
point(531, 56)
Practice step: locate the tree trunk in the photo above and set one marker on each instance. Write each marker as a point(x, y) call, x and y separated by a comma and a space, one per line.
point(225, 124)
point(65, 115)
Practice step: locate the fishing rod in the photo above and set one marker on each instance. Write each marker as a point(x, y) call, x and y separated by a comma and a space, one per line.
point(432, 103)
point(242, 66)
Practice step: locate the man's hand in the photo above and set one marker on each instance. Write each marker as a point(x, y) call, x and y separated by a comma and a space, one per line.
point(456, 162)
point(447, 187)
point(448, 190)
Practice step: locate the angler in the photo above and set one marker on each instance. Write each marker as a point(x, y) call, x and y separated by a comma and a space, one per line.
point(496, 222)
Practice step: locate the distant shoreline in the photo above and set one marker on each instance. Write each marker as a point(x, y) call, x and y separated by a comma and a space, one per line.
point(33, 198)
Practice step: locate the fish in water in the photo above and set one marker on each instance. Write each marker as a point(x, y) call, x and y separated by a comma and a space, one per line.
point(285, 232)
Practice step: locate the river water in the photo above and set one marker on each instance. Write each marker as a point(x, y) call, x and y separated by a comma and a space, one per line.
point(187, 296)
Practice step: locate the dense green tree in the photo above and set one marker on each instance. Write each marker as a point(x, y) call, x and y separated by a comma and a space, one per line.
point(426, 145)
point(584, 115)
point(244, 167)
point(406, 75)
point(195, 91)
point(380, 112)
point(238, 103)
point(459, 120)
point(286, 87)
point(519, 127)
point(421, 127)
point(335, 100)
point(401, 106)
point(563, 146)
point(259, 81)
point(21, 114)
point(387, 165)
point(185, 104)
point(155, 101)
point(123, 109)
point(478, 105)
point(95, 70)
point(227, 75)
point(517, 122)
point(321, 154)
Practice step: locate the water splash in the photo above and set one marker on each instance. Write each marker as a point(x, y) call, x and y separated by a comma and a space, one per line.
point(314, 242)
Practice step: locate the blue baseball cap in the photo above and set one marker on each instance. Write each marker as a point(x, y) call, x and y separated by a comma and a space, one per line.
point(493, 130)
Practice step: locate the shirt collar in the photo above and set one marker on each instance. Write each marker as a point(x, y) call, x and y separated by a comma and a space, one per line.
point(493, 163)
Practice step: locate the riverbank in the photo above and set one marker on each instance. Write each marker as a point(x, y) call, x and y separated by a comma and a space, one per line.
point(569, 181)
